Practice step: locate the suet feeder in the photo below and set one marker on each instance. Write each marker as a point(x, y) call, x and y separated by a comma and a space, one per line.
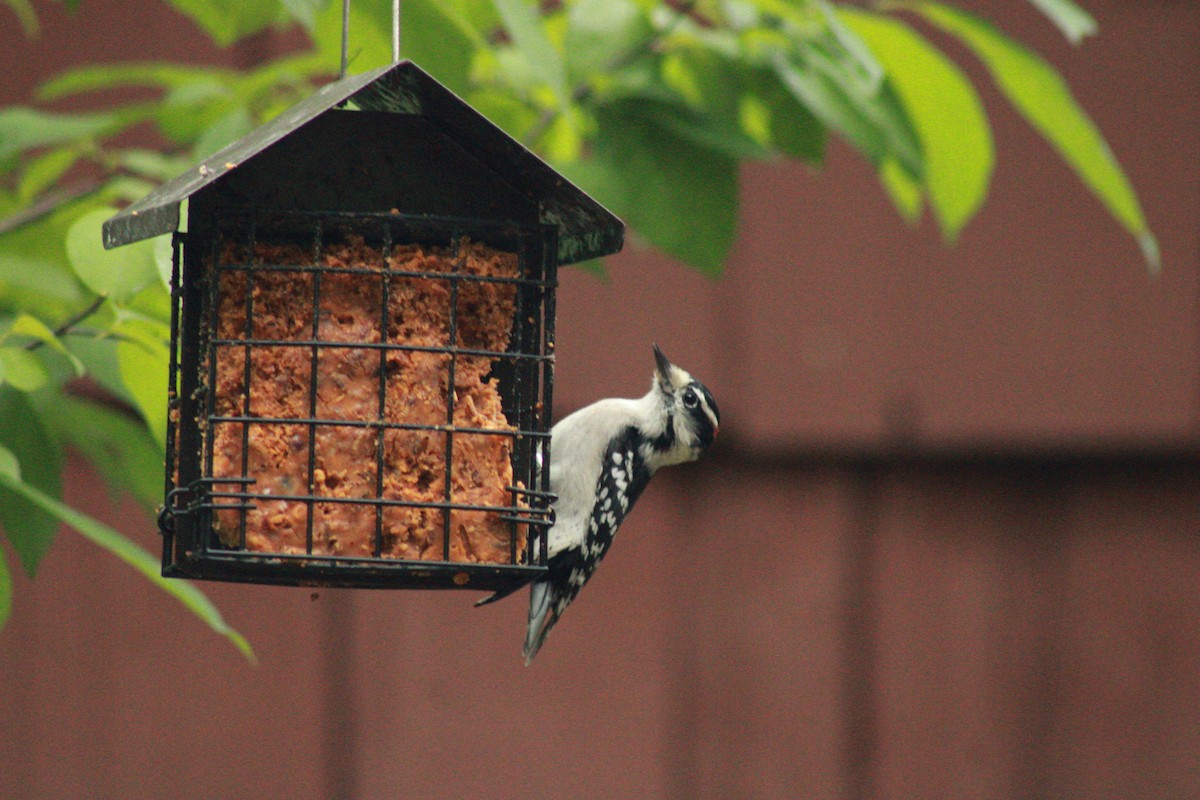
point(363, 343)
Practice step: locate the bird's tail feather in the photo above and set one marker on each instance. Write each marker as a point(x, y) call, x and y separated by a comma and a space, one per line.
point(500, 595)
point(541, 618)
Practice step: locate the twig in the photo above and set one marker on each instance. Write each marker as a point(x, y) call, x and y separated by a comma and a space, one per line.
point(69, 325)
point(47, 205)
point(99, 334)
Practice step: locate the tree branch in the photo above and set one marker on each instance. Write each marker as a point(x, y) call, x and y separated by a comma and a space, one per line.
point(69, 325)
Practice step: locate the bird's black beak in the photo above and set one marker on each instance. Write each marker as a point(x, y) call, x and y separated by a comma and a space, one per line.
point(664, 366)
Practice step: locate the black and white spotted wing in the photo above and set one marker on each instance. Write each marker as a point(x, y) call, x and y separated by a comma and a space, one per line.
point(622, 478)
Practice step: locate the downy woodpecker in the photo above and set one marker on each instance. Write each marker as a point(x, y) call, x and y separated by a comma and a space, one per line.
point(602, 457)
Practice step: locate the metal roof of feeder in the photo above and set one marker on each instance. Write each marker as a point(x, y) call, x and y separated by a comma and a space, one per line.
point(585, 228)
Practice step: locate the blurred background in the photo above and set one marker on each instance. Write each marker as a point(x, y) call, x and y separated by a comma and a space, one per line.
point(948, 544)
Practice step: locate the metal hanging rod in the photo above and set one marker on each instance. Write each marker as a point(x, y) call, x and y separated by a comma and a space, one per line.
point(345, 38)
point(395, 31)
point(346, 35)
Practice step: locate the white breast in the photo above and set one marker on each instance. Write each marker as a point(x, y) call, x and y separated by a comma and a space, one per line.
point(577, 445)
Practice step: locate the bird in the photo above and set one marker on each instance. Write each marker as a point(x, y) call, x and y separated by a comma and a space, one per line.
point(601, 458)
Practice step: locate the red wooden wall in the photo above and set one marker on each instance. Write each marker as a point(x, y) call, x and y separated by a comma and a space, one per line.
point(946, 547)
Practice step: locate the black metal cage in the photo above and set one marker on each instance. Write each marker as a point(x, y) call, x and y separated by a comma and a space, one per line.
point(223, 507)
point(363, 343)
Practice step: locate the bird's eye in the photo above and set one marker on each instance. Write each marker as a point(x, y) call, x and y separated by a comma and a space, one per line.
point(689, 398)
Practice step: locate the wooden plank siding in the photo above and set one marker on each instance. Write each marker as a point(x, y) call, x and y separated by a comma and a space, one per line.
point(919, 630)
point(947, 546)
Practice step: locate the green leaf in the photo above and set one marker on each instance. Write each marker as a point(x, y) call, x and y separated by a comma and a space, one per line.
point(99, 356)
point(29, 24)
point(600, 32)
point(95, 77)
point(201, 90)
point(21, 369)
point(304, 11)
point(278, 83)
point(151, 163)
point(34, 275)
point(120, 446)
point(438, 40)
point(122, 191)
point(873, 102)
point(792, 128)
point(704, 130)
point(1041, 95)
point(508, 67)
point(715, 89)
point(154, 301)
point(830, 104)
point(44, 171)
point(677, 195)
point(744, 110)
point(34, 328)
point(30, 529)
point(144, 364)
point(227, 21)
point(852, 52)
point(226, 130)
point(5, 590)
point(112, 541)
point(477, 19)
point(875, 124)
point(504, 110)
point(946, 113)
point(24, 128)
point(754, 118)
point(188, 111)
point(118, 273)
point(9, 464)
point(1075, 23)
point(562, 140)
point(528, 31)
